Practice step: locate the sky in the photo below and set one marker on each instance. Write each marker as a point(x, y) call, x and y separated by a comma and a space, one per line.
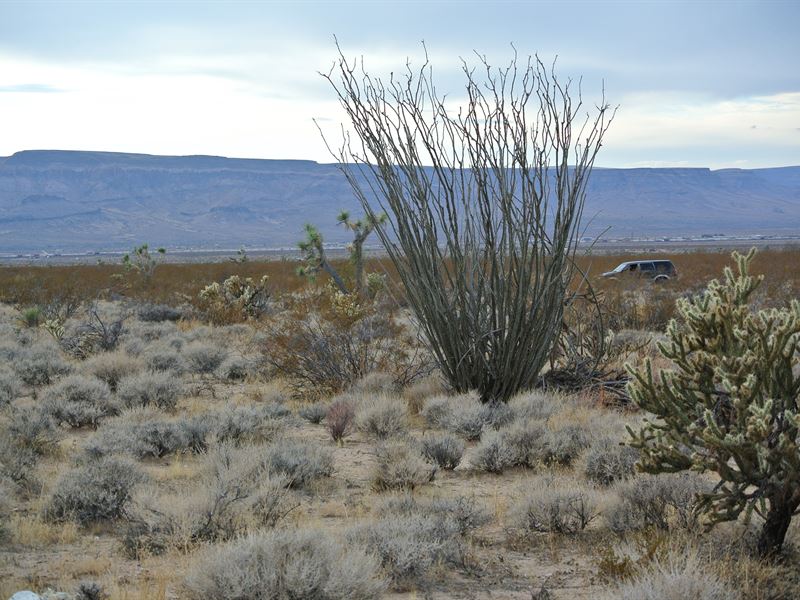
point(698, 84)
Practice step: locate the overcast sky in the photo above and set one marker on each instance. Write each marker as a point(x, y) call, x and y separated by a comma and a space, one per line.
point(712, 84)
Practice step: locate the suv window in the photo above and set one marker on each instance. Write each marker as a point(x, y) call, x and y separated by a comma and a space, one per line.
point(664, 266)
point(647, 266)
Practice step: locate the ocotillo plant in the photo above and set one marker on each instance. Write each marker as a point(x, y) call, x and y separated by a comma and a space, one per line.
point(484, 204)
point(730, 404)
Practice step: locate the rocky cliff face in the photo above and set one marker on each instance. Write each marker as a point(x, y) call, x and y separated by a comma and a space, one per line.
point(75, 201)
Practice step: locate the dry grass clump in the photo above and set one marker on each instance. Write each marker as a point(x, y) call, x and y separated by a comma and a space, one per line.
point(78, 401)
point(111, 367)
point(401, 465)
point(443, 449)
point(678, 576)
point(308, 564)
point(553, 506)
point(96, 491)
point(381, 416)
point(656, 501)
point(149, 389)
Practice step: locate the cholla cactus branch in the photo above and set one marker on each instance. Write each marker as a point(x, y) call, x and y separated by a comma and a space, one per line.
point(730, 404)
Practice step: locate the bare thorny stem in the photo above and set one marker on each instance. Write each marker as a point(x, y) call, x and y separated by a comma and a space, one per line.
point(484, 206)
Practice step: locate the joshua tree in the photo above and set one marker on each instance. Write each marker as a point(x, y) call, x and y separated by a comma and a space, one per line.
point(315, 259)
point(314, 251)
point(484, 204)
point(361, 230)
point(141, 261)
point(730, 404)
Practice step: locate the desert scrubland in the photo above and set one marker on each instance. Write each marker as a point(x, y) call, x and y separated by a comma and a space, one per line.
point(165, 437)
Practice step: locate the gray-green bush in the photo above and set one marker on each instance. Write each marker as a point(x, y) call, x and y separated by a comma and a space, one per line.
point(144, 434)
point(382, 416)
point(149, 389)
point(401, 465)
point(661, 502)
point(41, 364)
point(549, 507)
point(99, 490)
point(300, 462)
point(78, 401)
point(9, 386)
point(608, 461)
point(443, 450)
point(301, 564)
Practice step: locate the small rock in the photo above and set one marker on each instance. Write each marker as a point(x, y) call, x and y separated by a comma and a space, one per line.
point(25, 595)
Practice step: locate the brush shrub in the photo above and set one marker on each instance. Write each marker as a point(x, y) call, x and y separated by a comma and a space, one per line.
point(41, 364)
point(314, 412)
point(443, 449)
point(147, 434)
point(300, 462)
point(549, 507)
point(659, 502)
point(401, 465)
point(493, 454)
point(149, 389)
point(34, 429)
point(111, 367)
point(99, 490)
point(304, 564)
point(10, 385)
point(245, 425)
point(608, 461)
point(381, 416)
point(78, 401)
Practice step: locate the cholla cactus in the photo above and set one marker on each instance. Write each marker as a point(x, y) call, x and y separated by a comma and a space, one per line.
point(730, 404)
point(235, 299)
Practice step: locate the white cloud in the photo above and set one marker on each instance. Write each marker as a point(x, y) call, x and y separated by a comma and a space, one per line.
point(250, 104)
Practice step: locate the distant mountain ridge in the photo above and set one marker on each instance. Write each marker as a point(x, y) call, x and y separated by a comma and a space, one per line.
point(70, 201)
